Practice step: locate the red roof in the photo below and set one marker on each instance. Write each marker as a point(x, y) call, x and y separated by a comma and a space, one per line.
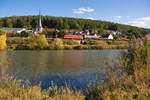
point(73, 37)
point(48, 30)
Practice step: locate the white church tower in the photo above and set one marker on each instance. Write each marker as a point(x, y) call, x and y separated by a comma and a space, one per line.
point(39, 28)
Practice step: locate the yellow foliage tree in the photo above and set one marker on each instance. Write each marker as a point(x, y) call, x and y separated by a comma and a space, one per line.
point(57, 44)
point(38, 41)
point(2, 41)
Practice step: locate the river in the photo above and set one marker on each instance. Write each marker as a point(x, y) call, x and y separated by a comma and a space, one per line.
point(72, 68)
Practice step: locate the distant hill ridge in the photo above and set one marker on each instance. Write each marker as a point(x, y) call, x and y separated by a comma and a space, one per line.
point(31, 22)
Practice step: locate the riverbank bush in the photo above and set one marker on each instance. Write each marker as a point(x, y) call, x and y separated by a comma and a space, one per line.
point(71, 42)
point(95, 42)
point(68, 47)
point(38, 42)
point(57, 44)
point(115, 42)
point(148, 43)
point(82, 47)
point(13, 34)
point(11, 41)
point(25, 34)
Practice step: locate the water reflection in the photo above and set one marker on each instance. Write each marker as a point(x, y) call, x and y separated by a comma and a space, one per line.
point(75, 68)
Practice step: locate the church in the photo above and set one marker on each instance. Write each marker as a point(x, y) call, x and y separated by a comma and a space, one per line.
point(40, 29)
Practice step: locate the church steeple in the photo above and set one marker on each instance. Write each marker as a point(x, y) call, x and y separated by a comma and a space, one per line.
point(39, 26)
point(40, 23)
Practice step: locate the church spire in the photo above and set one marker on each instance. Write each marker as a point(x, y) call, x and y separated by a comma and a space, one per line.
point(40, 23)
point(39, 28)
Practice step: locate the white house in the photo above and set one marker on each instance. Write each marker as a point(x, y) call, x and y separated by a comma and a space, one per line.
point(110, 37)
point(91, 36)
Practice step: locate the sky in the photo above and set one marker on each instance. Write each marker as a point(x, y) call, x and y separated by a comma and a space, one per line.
point(130, 12)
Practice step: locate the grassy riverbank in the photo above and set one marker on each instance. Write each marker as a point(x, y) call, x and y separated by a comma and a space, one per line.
point(128, 80)
point(11, 89)
point(59, 44)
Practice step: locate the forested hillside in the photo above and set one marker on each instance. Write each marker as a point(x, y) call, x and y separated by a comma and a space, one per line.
point(31, 22)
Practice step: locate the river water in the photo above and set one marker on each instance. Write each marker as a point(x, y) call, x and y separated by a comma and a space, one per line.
point(72, 68)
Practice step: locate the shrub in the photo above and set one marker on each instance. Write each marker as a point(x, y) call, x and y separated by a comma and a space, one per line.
point(49, 34)
point(13, 34)
point(22, 47)
point(117, 42)
point(68, 47)
point(50, 41)
point(38, 42)
point(148, 43)
point(100, 45)
point(25, 34)
point(1, 32)
point(57, 44)
point(18, 41)
point(81, 47)
point(96, 42)
point(91, 42)
point(12, 46)
point(71, 42)
point(15, 41)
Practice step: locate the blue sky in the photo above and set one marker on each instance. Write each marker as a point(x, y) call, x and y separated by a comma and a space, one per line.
point(132, 12)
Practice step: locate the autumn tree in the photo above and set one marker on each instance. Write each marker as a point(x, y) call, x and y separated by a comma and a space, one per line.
point(57, 44)
point(2, 40)
point(38, 42)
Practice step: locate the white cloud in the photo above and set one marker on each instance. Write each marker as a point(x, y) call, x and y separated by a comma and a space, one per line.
point(83, 10)
point(91, 18)
point(118, 17)
point(140, 22)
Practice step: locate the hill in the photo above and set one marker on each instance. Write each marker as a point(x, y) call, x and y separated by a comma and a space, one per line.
point(31, 22)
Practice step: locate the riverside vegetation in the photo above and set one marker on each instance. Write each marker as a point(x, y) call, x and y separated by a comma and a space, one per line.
point(40, 42)
point(128, 80)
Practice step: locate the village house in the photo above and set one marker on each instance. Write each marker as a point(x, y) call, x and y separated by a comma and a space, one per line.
point(113, 32)
point(94, 36)
point(75, 32)
point(78, 37)
point(87, 34)
point(108, 37)
point(44, 30)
